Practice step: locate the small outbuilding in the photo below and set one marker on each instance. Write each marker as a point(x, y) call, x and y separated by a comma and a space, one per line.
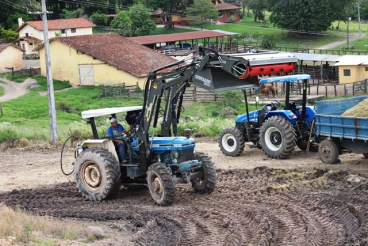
point(103, 59)
point(10, 56)
point(352, 68)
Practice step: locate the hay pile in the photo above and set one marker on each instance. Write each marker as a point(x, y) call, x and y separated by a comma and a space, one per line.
point(359, 110)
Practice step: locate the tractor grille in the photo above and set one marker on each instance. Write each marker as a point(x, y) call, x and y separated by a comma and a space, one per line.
point(185, 155)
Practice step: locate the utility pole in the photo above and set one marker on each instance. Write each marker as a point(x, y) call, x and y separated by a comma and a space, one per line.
point(347, 34)
point(360, 30)
point(50, 85)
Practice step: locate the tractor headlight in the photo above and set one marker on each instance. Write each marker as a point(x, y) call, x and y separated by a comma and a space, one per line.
point(175, 154)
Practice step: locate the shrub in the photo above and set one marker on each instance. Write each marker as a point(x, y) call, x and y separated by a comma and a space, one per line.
point(99, 19)
point(9, 35)
point(232, 19)
point(268, 41)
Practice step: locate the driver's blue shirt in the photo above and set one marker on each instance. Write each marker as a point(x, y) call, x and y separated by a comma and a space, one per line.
point(115, 133)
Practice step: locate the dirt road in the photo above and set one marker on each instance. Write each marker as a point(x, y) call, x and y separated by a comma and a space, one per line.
point(14, 90)
point(352, 37)
point(257, 201)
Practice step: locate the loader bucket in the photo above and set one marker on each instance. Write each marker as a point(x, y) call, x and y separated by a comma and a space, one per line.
point(216, 80)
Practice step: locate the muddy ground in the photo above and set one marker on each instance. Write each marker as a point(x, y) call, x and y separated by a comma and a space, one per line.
point(257, 201)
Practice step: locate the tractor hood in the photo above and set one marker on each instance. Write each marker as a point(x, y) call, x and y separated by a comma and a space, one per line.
point(169, 143)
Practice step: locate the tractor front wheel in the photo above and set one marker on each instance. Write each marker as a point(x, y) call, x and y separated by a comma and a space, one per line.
point(160, 184)
point(231, 141)
point(277, 137)
point(328, 151)
point(97, 174)
point(207, 181)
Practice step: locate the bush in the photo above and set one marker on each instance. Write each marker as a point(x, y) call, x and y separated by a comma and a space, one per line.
point(232, 19)
point(268, 41)
point(9, 35)
point(99, 19)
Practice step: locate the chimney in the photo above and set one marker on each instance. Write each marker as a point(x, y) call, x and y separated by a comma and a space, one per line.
point(20, 21)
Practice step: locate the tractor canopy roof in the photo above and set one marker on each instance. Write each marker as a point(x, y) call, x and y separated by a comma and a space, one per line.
point(108, 111)
point(289, 78)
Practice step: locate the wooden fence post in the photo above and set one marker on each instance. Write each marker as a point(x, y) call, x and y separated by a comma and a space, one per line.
point(345, 91)
point(353, 89)
point(365, 86)
point(27, 113)
point(83, 101)
point(1, 110)
point(326, 95)
point(335, 90)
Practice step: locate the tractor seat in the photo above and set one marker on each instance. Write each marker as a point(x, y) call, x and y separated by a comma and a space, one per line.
point(292, 106)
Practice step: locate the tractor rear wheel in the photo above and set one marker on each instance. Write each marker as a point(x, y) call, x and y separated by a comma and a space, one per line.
point(160, 184)
point(207, 182)
point(328, 151)
point(277, 137)
point(97, 174)
point(231, 141)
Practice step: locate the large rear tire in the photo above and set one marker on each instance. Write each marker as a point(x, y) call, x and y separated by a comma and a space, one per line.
point(328, 151)
point(231, 141)
point(160, 184)
point(97, 174)
point(207, 182)
point(277, 137)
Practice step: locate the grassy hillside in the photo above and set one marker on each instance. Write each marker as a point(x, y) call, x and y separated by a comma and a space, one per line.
point(27, 117)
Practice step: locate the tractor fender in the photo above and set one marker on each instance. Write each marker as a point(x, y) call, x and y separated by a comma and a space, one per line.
point(253, 117)
point(101, 143)
point(287, 114)
point(310, 113)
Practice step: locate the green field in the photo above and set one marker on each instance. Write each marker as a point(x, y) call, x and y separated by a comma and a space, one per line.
point(2, 91)
point(359, 44)
point(27, 117)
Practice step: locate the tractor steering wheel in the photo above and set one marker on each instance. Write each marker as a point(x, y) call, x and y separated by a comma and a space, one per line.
point(275, 104)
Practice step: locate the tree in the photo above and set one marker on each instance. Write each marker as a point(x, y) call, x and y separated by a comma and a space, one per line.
point(168, 6)
point(303, 15)
point(142, 22)
point(202, 12)
point(268, 41)
point(66, 14)
point(9, 35)
point(123, 22)
point(258, 6)
point(99, 19)
point(243, 5)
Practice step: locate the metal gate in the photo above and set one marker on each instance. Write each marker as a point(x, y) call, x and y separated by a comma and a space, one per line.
point(86, 76)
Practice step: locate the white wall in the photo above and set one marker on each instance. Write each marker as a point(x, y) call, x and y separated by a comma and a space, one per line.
point(52, 33)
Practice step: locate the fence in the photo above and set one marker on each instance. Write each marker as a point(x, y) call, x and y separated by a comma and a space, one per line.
point(119, 90)
point(24, 71)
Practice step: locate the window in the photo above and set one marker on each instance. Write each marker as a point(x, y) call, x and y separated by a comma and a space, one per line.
point(346, 72)
point(63, 31)
point(73, 30)
point(26, 34)
point(30, 43)
point(366, 69)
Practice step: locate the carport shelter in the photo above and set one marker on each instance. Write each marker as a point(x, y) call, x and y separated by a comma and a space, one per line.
point(103, 59)
point(192, 38)
point(352, 68)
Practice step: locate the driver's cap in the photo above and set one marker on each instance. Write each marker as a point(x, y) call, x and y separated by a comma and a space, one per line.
point(113, 120)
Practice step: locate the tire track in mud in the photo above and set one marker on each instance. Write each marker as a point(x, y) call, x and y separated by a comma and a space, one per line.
point(261, 206)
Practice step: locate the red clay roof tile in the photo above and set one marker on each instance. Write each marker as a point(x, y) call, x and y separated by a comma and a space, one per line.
point(4, 46)
point(59, 24)
point(119, 52)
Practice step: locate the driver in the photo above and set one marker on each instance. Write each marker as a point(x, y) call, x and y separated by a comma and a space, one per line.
point(115, 132)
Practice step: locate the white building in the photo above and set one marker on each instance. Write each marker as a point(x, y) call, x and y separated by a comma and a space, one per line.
point(31, 32)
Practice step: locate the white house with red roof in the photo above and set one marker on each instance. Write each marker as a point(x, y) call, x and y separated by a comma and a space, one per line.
point(31, 32)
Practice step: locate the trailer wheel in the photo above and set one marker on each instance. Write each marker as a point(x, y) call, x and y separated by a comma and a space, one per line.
point(231, 141)
point(160, 184)
point(97, 174)
point(207, 182)
point(277, 137)
point(365, 155)
point(328, 151)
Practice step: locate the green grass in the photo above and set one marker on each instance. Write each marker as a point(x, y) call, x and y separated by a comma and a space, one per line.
point(2, 91)
point(19, 78)
point(247, 25)
point(359, 44)
point(353, 26)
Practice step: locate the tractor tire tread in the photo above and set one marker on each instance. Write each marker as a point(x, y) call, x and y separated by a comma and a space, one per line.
point(166, 178)
point(209, 182)
point(113, 174)
point(239, 137)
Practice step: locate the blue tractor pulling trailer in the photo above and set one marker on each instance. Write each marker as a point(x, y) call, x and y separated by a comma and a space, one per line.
point(162, 160)
point(276, 130)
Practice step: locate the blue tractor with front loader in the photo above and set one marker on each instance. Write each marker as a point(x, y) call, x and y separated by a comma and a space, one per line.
point(274, 129)
point(162, 159)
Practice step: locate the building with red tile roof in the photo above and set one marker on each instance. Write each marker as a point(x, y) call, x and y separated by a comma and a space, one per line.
point(62, 27)
point(10, 56)
point(101, 59)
